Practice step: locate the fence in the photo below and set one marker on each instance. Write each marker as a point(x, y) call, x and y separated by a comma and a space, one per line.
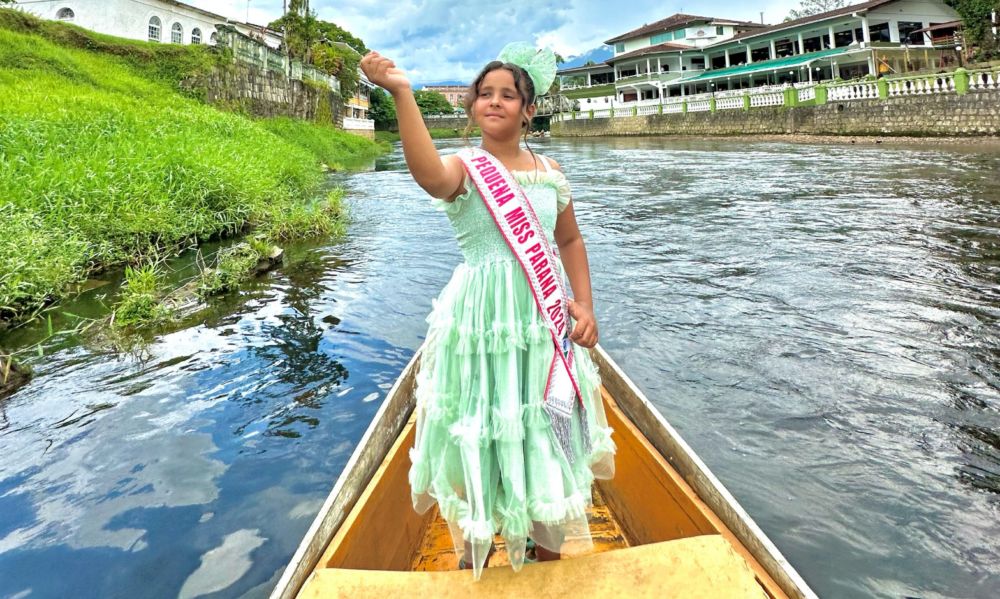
point(959, 81)
point(253, 52)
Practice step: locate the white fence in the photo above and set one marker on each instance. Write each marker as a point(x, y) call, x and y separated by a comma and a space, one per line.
point(353, 124)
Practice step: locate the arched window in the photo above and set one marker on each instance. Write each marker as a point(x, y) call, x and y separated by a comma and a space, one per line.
point(177, 34)
point(196, 36)
point(215, 38)
point(154, 29)
point(65, 14)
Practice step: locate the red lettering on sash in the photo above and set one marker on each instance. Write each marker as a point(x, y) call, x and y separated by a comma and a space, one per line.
point(535, 248)
point(497, 184)
point(538, 258)
point(516, 215)
point(490, 179)
point(504, 199)
point(526, 236)
point(548, 291)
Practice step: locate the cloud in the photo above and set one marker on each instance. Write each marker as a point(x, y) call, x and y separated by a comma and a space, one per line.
point(438, 40)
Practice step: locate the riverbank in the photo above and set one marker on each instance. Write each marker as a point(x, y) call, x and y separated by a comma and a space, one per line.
point(106, 162)
point(436, 133)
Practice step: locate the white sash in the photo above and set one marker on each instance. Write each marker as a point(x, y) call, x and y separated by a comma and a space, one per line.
point(507, 203)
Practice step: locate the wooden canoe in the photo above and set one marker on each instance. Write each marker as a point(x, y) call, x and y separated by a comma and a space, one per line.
point(663, 527)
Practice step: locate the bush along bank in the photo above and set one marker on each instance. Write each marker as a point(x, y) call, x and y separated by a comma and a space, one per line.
point(104, 162)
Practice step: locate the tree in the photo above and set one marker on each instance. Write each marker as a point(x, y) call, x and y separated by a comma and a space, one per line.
point(976, 27)
point(316, 42)
point(432, 102)
point(814, 7)
point(383, 108)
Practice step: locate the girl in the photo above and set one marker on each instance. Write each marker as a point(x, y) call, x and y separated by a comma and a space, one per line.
point(488, 449)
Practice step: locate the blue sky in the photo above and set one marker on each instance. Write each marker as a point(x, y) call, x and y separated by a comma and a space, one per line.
point(437, 40)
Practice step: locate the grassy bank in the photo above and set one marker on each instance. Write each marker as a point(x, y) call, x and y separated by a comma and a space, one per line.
point(104, 162)
point(436, 133)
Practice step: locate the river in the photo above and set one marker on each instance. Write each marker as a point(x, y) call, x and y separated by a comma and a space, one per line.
point(820, 322)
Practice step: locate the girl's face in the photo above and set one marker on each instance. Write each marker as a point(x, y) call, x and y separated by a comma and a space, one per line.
point(498, 105)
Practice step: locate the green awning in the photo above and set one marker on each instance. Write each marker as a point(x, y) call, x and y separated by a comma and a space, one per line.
point(765, 65)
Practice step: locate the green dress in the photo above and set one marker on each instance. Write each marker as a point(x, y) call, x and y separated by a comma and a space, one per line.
point(484, 449)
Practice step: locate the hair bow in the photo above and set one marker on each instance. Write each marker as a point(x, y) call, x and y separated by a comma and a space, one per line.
point(539, 64)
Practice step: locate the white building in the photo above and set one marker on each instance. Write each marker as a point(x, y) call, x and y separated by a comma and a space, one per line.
point(165, 21)
point(686, 54)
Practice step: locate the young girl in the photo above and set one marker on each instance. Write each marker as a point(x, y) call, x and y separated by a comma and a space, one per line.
point(492, 449)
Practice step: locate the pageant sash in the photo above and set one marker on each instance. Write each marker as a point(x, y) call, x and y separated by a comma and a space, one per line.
point(507, 203)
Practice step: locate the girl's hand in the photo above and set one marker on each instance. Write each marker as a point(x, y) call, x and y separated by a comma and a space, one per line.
point(383, 72)
point(585, 332)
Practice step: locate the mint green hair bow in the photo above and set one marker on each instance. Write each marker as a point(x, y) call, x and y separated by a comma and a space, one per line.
point(539, 64)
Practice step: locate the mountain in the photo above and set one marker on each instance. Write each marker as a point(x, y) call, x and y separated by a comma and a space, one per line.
point(598, 55)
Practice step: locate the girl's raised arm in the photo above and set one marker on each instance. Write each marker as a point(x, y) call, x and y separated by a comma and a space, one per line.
point(440, 177)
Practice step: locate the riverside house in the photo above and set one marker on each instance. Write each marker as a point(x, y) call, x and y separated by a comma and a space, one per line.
point(685, 55)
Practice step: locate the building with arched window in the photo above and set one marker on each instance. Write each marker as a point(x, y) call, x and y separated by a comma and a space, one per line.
point(148, 20)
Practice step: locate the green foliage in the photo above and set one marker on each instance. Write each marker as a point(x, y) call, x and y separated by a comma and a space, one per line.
point(139, 303)
point(382, 108)
point(325, 217)
point(103, 163)
point(334, 147)
point(315, 42)
point(436, 133)
point(976, 27)
point(233, 265)
point(166, 63)
point(432, 102)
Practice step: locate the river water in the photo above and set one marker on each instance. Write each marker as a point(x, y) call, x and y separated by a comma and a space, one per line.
point(820, 322)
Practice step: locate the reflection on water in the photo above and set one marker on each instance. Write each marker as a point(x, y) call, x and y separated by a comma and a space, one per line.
point(820, 322)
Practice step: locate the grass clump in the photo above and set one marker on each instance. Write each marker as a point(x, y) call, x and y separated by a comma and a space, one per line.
point(104, 163)
point(139, 303)
point(233, 265)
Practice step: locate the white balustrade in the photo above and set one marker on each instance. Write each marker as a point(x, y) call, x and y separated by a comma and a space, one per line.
point(648, 109)
point(862, 90)
point(353, 124)
point(806, 93)
point(698, 105)
point(602, 113)
point(984, 80)
point(730, 103)
point(767, 99)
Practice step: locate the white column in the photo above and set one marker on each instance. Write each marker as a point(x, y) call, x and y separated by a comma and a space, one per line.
point(588, 79)
point(894, 31)
point(727, 57)
point(774, 52)
point(659, 67)
point(866, 35)
point(802, 45)
point(833, 40)
point(647, 67)
point(749, 58)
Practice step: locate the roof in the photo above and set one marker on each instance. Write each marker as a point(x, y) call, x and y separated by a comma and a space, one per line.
point(768, 65)
point(671, 22)
point(584, 68)
point(657, 49)
point(838, 12)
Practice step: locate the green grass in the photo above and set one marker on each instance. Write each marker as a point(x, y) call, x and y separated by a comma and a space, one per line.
point(103, 162)
point(436, 133)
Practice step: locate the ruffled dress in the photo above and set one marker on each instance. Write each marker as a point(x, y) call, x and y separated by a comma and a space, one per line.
point(484, 451)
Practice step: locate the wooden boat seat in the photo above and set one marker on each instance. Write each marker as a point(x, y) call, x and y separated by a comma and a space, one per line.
point(702, 566)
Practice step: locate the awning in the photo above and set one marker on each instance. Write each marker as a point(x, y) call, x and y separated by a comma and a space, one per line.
point(787, 62)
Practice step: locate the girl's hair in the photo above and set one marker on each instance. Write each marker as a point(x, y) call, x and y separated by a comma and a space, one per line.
point(525, 88)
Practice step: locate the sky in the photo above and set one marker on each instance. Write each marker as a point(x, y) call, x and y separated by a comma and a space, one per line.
point(447, 40)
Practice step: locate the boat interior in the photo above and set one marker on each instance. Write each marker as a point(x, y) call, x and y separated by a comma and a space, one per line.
point(652, 536)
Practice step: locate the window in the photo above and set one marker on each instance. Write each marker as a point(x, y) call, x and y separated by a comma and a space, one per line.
point(154, 29)
point(720, 30)
point(906, 29)
point(214, 38)
point(177, 34)
point(660, 38)
point(196, 36)
point(65, 14)
point(880, 32)
point(698, 63)
point(680, 34)
point(619, 47)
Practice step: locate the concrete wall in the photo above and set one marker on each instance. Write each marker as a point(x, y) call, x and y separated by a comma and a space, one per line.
point(976, 113)
point(254, 90)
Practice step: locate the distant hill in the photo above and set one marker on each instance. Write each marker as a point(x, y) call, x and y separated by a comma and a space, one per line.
point(423, 84)
point(598, 55)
